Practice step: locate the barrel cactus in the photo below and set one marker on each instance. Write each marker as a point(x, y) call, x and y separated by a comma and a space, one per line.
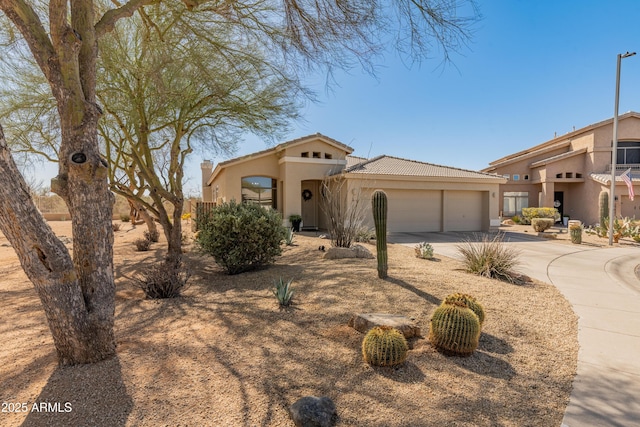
point(469, 301)
point(384, 346)
point(603, 205)
point(455, 329)
point(379, 207)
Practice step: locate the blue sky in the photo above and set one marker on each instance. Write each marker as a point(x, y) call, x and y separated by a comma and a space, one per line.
point(533, 68)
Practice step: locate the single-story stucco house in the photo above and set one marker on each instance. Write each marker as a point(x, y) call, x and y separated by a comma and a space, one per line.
point(421, 196)
point(570, 171)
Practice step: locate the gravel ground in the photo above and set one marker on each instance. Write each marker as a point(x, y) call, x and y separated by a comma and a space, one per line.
point(224, 354)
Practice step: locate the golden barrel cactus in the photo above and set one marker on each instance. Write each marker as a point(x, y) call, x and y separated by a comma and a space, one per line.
point(384, 346)
point(455, 329)
point(470, 301)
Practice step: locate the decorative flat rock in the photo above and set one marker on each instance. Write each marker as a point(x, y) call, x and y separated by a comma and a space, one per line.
point(355, 251)
point(365, 321)
point(312, 411)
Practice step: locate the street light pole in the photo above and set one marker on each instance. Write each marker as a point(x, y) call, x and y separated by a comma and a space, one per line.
point(614, 149)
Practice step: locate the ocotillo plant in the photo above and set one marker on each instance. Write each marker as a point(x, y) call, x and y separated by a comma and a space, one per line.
point(379, 206)
point(603, 202)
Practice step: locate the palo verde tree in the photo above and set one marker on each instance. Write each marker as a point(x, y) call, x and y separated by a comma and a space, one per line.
point(166, 92)
point(78, 292)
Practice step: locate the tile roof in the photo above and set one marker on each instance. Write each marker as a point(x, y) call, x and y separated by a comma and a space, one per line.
point(558, 157)
point(287, 144)
point(605, 178)
point(389, 165)
point(558, 140)
point(354, 160)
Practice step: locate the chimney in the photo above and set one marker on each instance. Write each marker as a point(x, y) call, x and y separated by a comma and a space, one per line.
point(207, 168)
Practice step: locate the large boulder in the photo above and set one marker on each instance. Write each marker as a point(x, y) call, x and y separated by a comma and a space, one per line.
point(312, 411)
point(355, 251)
point(365, 321)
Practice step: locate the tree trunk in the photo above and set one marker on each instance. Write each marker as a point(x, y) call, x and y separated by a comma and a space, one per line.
point(77, 295)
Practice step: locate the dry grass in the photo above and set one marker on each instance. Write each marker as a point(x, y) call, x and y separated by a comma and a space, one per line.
point(225, 354)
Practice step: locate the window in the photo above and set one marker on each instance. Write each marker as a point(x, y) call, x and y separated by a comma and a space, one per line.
point(578, 175)
point(261, 190)
point(526, 178)
point(305, 154)
point(328, 156)
point(558, 175)
point(513, 202)
point(316, 155)
point(628, 152)
point(516, 177)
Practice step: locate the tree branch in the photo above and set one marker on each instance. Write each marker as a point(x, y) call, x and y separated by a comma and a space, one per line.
point(28, 23)
point(109, 19)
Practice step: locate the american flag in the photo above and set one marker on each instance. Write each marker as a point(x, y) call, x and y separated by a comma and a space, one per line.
point(626, 177)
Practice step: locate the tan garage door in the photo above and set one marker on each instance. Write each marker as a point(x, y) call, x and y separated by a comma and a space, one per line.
point(465, 210)
point(414, 210)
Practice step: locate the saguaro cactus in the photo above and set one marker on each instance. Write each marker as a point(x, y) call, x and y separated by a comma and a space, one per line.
point(379, 207)
point(603, 204)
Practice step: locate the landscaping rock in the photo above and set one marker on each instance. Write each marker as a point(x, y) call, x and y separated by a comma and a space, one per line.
point(365, 321)
point(312, 411)
point(508, 222)
point(355, 251)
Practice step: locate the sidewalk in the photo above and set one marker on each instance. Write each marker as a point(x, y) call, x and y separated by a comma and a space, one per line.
point(601, 285)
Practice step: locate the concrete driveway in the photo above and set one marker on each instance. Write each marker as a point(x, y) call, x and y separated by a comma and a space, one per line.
point(601, 285)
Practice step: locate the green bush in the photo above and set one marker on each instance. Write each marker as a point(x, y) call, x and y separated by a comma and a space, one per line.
point(542, 224)
point(529, 213)
point(241, 237)
point(490, 257)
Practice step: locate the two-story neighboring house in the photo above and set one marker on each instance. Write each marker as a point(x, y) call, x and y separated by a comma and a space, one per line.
point(421, 196)
point(570, 171)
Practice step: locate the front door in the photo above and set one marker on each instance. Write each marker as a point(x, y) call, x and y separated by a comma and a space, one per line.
point(558, 202)
point(310, 196)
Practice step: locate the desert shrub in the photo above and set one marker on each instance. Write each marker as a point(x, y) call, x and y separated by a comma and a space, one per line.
point(115, 226)
point(516, 219)
point(142, 245)
point(241, 237)
point(125, 218)
point(163, 281)
point(283, 291)
point(529, 213)
point(364, 234)
point(344, 209)
point(152, 236)
point(575, 233)
point(490, 257)
point(542, 224)
point(424, 250)
point(622, 227)
point(384, 346)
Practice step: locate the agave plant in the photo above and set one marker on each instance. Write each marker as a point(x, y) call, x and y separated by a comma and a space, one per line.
point(289, 237)
point(283, 291)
